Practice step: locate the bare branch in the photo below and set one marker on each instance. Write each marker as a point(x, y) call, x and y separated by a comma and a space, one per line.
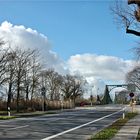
point(129, 31)
point(128, 16)
point(134, 2)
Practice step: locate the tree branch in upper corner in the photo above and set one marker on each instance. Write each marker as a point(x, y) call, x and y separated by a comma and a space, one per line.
point(129, 31)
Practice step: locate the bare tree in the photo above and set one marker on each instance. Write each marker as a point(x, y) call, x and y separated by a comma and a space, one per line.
point(67, 86)
point(73, 87)
point(3, 63)
point(22, 62)
point(34, 74)
point(10, 74)
point(52, 82)
point(7, 70)
point(27, 83)
point(128, 14)
point(133, 77)
point(78, 89)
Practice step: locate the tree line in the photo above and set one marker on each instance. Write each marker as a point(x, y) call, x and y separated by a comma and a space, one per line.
point(23, 79)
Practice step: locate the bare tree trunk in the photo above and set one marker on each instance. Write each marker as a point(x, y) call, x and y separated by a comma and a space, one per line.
point(32, 93)
point(9, 96)
point(18, 94)
point(27, 96)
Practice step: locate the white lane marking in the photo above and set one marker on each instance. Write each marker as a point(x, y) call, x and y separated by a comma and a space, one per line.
point(4, 121)
point(19, 127)
point(1, 125)
point(77, 127)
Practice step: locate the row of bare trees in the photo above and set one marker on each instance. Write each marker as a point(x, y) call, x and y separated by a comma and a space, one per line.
point(22, 77)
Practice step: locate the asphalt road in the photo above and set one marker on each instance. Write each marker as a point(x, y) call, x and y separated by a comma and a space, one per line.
point(76, 124)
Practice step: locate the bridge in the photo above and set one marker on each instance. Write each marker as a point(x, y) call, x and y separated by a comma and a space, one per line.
point(129, 87)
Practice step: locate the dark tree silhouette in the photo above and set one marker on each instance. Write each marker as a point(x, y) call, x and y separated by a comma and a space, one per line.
point(106, 99)
point(133, 77)
point(98, 98)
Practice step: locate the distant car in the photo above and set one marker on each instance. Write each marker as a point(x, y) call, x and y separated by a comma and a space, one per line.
point(83, 103)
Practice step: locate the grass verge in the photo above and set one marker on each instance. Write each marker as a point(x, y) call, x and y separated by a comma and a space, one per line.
point(7, 117)
point(110, 131)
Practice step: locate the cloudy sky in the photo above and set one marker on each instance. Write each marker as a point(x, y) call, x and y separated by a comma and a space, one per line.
point(79, 37)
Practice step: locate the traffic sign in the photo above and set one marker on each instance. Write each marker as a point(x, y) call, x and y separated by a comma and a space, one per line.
point(131, 94)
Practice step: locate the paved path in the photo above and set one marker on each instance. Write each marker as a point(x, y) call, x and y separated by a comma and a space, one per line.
point(130, 130)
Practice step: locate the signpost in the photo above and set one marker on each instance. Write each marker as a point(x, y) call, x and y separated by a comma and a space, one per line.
point(123, 113)
point(131, 94)
point(8, 111)
point(43, 92)
point(91, 99)
point(132, 100)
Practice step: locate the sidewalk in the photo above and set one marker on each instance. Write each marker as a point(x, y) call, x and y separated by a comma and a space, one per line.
point(130, 130)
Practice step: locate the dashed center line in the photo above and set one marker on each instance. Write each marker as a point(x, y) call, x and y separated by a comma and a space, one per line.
point(19, 127)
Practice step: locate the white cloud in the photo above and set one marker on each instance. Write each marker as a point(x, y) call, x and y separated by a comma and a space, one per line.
point(97, 69)
point(92, 66)
point(107, 68)
point(100, 70)
point(20, 36)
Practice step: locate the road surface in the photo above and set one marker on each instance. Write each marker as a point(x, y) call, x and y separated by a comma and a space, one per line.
point(76, 124)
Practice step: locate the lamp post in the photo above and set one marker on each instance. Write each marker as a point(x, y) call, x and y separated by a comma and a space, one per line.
point(132, 100)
